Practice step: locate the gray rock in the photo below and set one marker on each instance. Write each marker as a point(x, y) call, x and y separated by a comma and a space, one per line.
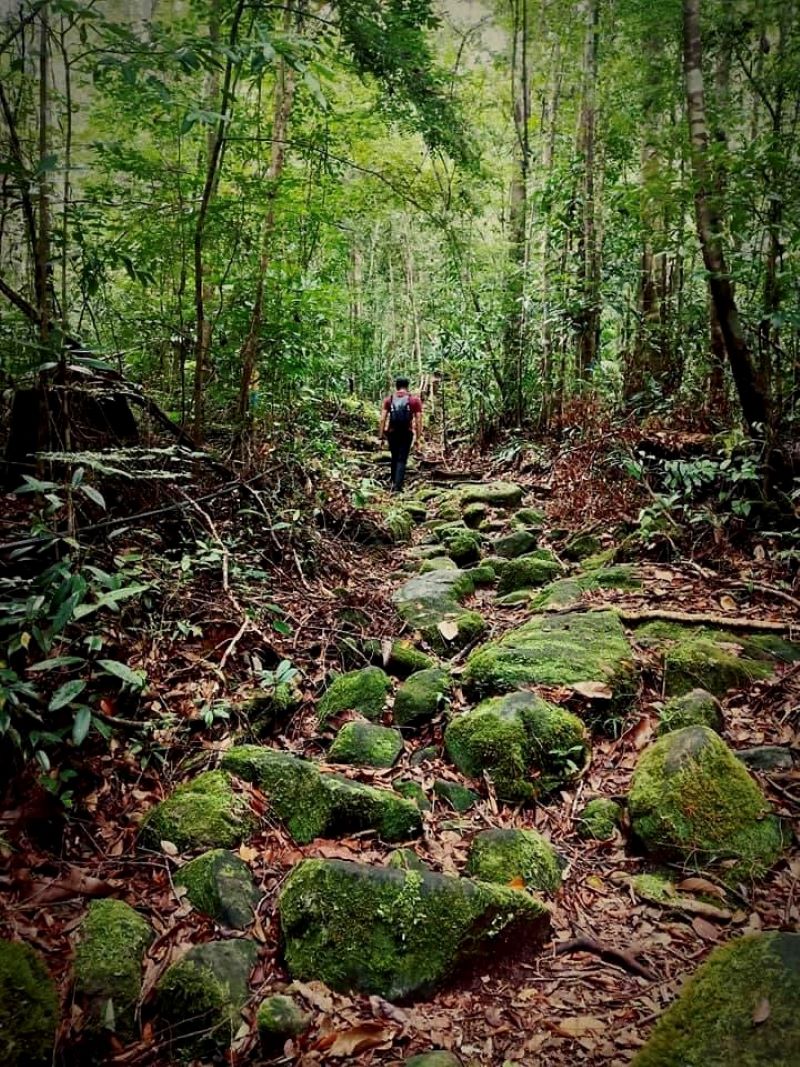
point(279, 1017)
point(456, 795)
point(696, 708)
point(429, 600)
point(515, 544)
point(363, 744)
point(421, 697)
point(766, 758)
point(221, 885)
point(28, 1007)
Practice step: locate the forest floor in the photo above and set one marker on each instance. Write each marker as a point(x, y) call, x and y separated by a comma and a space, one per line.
point(532, 1008)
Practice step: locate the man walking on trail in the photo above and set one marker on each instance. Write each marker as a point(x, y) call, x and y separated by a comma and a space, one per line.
point(401, 424)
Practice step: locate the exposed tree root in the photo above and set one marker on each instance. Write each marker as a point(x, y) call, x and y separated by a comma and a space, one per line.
point(619, 957)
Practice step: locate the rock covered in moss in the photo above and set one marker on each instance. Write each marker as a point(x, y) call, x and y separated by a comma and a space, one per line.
point(456, 795)
point(437, 563)
point(427, 601)
point(739, 1008)
point(435, 1058)
point(515, 544)
point(363, 691)
point(202, 995)
point(463, 547)
point(406, 859)
point(766, 758)
point(420, 697)
point(482, 574)
point(399, 523)
point(527, 572)
point(474, 514)
point(416, 509)
point(28, 1007)
point(567, 592)
point(448, 508)
point(696, 708)
point(312, 804)
point(413, 791)
point(528, 517)
point(509, 855)
point(405, 659)
point(363, 744)
point(280, 1016)
point(494, 494)
point(557, 650)
point(527, 746)
point(205, 812)
point(394, 933)
point(265, 708)
point(600, 819)
point(581, 545)
point(513, 600)
point(558, 595)
point(691, 799)
point(112, 942)
point(221, 885)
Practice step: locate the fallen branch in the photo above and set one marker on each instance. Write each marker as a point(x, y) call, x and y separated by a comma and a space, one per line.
point(619, 957)
point(726, 622)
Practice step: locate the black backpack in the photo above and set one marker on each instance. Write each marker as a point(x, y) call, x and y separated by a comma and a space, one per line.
point(400, 412)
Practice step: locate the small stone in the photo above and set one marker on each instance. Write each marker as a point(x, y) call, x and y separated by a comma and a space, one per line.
point(495, 494)
point(600, 819)
point(205, 812)
point(513, 600)
point(473, 514)
point(112, 942)
point(363, 744)
point(280, 1016)
point(515, 544)
point(558, 595)
point(221, 885)
point(363, 691)
point(463, 547)
point(421, 697)
point(457, 796)
point(424, 755)
point(405, 659)
point(506, 856)
point(413, 791)
point(482, 574)
point(580, 546)
point(528, 517)
point(696, 708)
point(201, 996)
point(526, 572)
point(416, 509)
point(437, 563)
point(28, 1007)
point(766, 758)
point(406, 859)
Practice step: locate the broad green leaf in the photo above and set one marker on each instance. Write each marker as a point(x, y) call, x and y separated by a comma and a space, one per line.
point(95, 496)
point(56, 661)
point(66, 693)
point(136, 679)
point(81, 724)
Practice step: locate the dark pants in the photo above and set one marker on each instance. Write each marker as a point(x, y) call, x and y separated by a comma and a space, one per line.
point(399, 446)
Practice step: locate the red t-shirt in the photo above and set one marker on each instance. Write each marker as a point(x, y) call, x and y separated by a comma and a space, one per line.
point(414, 402)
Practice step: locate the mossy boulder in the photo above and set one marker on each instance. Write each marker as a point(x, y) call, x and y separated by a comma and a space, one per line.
point(600, 819)
point(427, 601)
point(438, 563)
point(112, 942)
point(406, 859)
point(527, 746)
point(463, 547)
point(696, 708)
point(513, 600)
point(739, 1008)
point(363, 744)
point(558, 595)
point(474, 514)
point(28, 1007)
point(279, 1017)
point(265, 708)
point(528, 572)
point(399, 524)
point(221, 885)
point(205, 812)
point(395, 933)
point(482, 573)
point(567, 592)
point(557, 650)
point(202, 995)
point(312, 804)
point(493, 494)
point(363, 691)
point(512, 855)
point(580, 546)
point(457, 796)
point(421, 696)
point(528, 518)
point(412, 790)
point(713, 659)
point(515, 544)
point(435, 1058)
point(404, 659)
point(691, 799)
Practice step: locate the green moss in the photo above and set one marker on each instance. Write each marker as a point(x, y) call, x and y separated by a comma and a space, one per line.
point(399, 524)
point(427, 600)
point(581, 545)
point(365, 745)
point(437, 563)
point(28, 1007)
point(390, 932)
point(474, 514)
point(526, 572)
point(280, 1016)
point(420, 697)
point(506, 855)
point(494, 494)
point(405, 859)
point(463, 547)
point(363, 691)
point(515, 544)
point(701, 657)
point(203, 813)
point(413, 791)
point(457, 796)
point(692, 799)
point(266, 708)
point(696, 708)
point(565, 593)
point(312, 804)
point(448, 507)
point(528, 517)
point(513, 600)
point(220, 885)
point(600, 819)
point(108, 965)
point(712, 1023)
point(416, 509)
point(529, 747)
point(482, 574)
point(201, 996)
point(404, 659)
point(557, 650)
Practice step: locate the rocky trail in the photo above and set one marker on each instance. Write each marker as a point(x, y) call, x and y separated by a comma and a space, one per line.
point(532, 807)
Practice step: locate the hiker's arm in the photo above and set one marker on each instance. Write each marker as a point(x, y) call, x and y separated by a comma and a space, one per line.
point(384, 420)
point(418, 428)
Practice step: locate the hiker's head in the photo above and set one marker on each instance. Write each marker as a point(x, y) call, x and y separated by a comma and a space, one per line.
point(401, 383)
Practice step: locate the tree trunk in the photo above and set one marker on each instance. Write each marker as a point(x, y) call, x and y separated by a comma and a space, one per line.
point(752, 396)
point(589, 321)
point(42, 264)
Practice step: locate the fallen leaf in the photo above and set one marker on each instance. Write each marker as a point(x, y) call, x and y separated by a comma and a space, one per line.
point(593, 690)
point(701, 885)
point(360, 1038)
point(579, 1025)
point(168, 848)
point(517, 883)
point(761, 1011)
point(727, 603)
point(448, 630)
point(249, 855)
point(704, 929)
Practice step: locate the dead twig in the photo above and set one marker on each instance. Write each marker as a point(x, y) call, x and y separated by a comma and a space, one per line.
point(618, 957)
point(732, 622)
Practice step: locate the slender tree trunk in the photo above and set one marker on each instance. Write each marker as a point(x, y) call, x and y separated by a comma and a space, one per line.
point(752, 396)
point(42, 262)
point(589, 324)
point(549, 126)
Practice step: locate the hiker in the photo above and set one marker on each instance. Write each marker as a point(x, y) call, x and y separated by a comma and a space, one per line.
point(401, 424)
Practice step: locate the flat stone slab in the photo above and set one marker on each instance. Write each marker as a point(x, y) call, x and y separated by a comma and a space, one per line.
point(427, 601)
point(495, 494)
point(396, 933)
